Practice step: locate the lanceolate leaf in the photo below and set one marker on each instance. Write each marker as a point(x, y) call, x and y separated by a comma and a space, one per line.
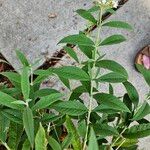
point(4, 126)
point(86, 15)
point(105, 130)
point(13, 115)
point(78, 39)
point(93, 145)
point(113, 66)
point(71, 72)
point(77, 92)
point(15, 132)
point(111, 101)
point(50, 118)
point(105, 109)
point(72, 53)
point(42, 72)
point(44, 92)
point(111, 90)
point(72, 130)
point(73, 108)
point(65, 82)
point(26, 145)
point(137, 131)
point(118, 24)
point(112, 77)
point(54, 144)
point(142, 111)
point(40, 139)
point(28, 123)
point(67, 141)
point(87, 50)
point(25, 84)
point(22, 58)
point(145, 72)
point(7, 100)
point(12, 76)
point(47, 101)
point(114, 39)
point(132, 92)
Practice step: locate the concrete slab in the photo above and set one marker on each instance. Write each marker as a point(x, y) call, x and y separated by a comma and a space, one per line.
point(23, 26)
point(36, 26)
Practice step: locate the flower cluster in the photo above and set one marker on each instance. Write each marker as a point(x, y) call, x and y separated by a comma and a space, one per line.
point(108, 3)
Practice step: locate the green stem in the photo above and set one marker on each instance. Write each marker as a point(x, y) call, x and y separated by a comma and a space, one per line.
point(92, 78)
point(118, 137)
point(121, 144)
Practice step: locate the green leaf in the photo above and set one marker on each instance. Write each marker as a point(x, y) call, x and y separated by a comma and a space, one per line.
point(26, 145)
point(22, 58)
point(113, 66)
point(54, 144)
point(142, 111)
point(132, 92)
point(13, 115)
point(94, 9)
point(111, 90)
point(4, 126)
point(82, 128)
point(112, 77)
point(137, 131)
point(7, 100)
point(40, 139)
point(42, 72)
point(86, 15)
point(25, 84)
point(72, 53)
point(77, 92)
point(15, 133)
point(47, 101)
point(12, 76)
point(87, 50)
point(40, 79)
point(67, 141)
point(72, 130)
point(29, 124)
point(114, 39)
point(127, 116)
point(44, 92)
point(145, 72)
point(111, 102)
point(65, 82)
point(127, 142)
point(105, 109)
point(77, 39)
point(47, 118)
point(73, 108)
point(93, 145)
point(105, 130)
point(118, 24)
point(110, 10)
point(71, 72)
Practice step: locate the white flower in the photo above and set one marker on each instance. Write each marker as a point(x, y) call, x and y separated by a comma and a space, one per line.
point(115, 3)
point(104, 1)
point(108, 3)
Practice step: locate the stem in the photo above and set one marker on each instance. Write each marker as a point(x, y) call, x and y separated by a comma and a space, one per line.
point(121, 144)
point(92, 77)
point(31, 70)
point(118, 137)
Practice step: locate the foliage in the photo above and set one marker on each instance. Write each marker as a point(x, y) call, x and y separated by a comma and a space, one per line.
point(44, 119)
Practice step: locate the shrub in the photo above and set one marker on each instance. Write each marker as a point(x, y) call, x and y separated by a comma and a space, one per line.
point(34, 118)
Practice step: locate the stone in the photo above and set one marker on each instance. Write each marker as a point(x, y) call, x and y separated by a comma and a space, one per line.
point(36, 27)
